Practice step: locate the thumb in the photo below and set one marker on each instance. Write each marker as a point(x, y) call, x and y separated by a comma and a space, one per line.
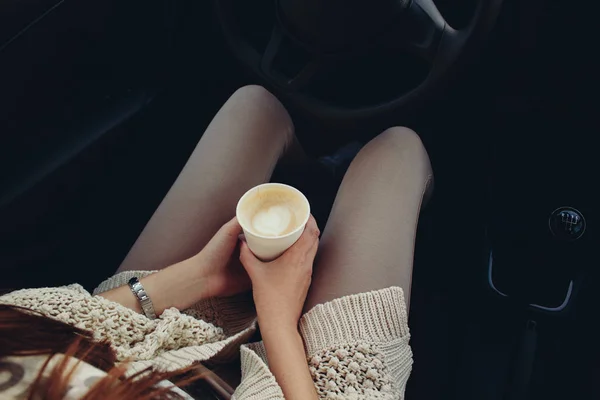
point(226, 237)
point(231, 229)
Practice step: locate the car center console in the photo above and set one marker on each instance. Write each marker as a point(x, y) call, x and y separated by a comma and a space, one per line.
point(540, 268)
point(541, 226)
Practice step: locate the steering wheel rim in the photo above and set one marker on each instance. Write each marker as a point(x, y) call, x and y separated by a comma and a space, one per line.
point(436, 41)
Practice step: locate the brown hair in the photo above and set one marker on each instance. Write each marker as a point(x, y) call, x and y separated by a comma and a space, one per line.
point(26, 333)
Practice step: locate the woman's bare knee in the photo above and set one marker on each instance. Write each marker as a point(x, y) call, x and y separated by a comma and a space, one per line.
point(374, 219)
point(397, 147)
point(398, 138)
point(267, 109)
point(253, 94)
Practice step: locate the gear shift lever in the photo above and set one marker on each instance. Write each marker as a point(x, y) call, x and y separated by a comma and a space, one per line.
point(567, 224)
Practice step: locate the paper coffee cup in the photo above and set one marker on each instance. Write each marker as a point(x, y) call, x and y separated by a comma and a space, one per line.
point(273, 217)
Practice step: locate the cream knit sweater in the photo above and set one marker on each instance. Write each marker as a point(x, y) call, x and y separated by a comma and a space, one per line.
point(356, 347)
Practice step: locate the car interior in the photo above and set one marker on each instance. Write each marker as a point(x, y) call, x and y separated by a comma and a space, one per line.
point(102, 102)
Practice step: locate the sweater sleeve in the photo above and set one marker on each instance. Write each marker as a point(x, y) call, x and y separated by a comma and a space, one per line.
point(132, 335)
point(232, 314)
point(356, 347)
point(258, 383)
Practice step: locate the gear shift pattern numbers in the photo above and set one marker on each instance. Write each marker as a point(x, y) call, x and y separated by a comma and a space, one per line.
point(567, 224)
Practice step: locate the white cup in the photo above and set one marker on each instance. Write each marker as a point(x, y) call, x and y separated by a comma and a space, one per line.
point(267, 247)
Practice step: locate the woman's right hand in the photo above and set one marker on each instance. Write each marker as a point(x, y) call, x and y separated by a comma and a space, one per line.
point(280, 286)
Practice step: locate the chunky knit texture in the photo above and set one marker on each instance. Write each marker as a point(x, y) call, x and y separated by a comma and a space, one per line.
point(356, 346)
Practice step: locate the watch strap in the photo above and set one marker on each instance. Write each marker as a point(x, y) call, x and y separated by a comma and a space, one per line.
point(145, 302)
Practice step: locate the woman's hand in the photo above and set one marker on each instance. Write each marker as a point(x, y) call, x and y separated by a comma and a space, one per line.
point(280, 286)
point(218, 263)
point(214, 272)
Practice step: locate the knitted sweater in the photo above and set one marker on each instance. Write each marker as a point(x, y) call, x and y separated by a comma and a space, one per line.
point(356, 346)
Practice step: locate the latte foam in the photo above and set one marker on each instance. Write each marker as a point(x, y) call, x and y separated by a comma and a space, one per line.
point(274, 220)
point(272, 210)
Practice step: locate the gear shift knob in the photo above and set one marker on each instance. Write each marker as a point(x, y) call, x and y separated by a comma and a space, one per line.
point(567, 223)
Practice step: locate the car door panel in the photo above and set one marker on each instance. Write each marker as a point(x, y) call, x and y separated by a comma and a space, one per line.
point(71, 74)
point(67, 66)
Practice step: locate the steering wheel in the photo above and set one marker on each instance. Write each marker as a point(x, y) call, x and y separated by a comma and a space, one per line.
point(330, 32)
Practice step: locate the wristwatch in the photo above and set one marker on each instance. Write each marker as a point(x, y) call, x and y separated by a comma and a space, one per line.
point(145, 302)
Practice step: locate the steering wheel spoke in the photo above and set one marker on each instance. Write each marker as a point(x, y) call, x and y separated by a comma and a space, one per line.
point(422, 27)
point(304, 74)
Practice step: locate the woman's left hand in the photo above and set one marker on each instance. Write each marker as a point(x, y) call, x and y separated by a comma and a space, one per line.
point(214, 272)
point(219, 265)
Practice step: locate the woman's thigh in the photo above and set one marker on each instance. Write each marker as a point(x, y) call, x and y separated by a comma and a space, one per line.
point(368, 243)
point(239, 150)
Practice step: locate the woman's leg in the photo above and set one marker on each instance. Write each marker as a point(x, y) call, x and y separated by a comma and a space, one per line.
point(368, 243)
point(239, 150)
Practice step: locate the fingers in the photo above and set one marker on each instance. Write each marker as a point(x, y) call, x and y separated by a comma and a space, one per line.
point(247, 258)
point(309, 238)
point(308, 244)
point(315, 247)
point(312, 251)
point(312, 225)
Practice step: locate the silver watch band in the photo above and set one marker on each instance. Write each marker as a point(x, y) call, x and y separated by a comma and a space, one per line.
point(145, 302)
